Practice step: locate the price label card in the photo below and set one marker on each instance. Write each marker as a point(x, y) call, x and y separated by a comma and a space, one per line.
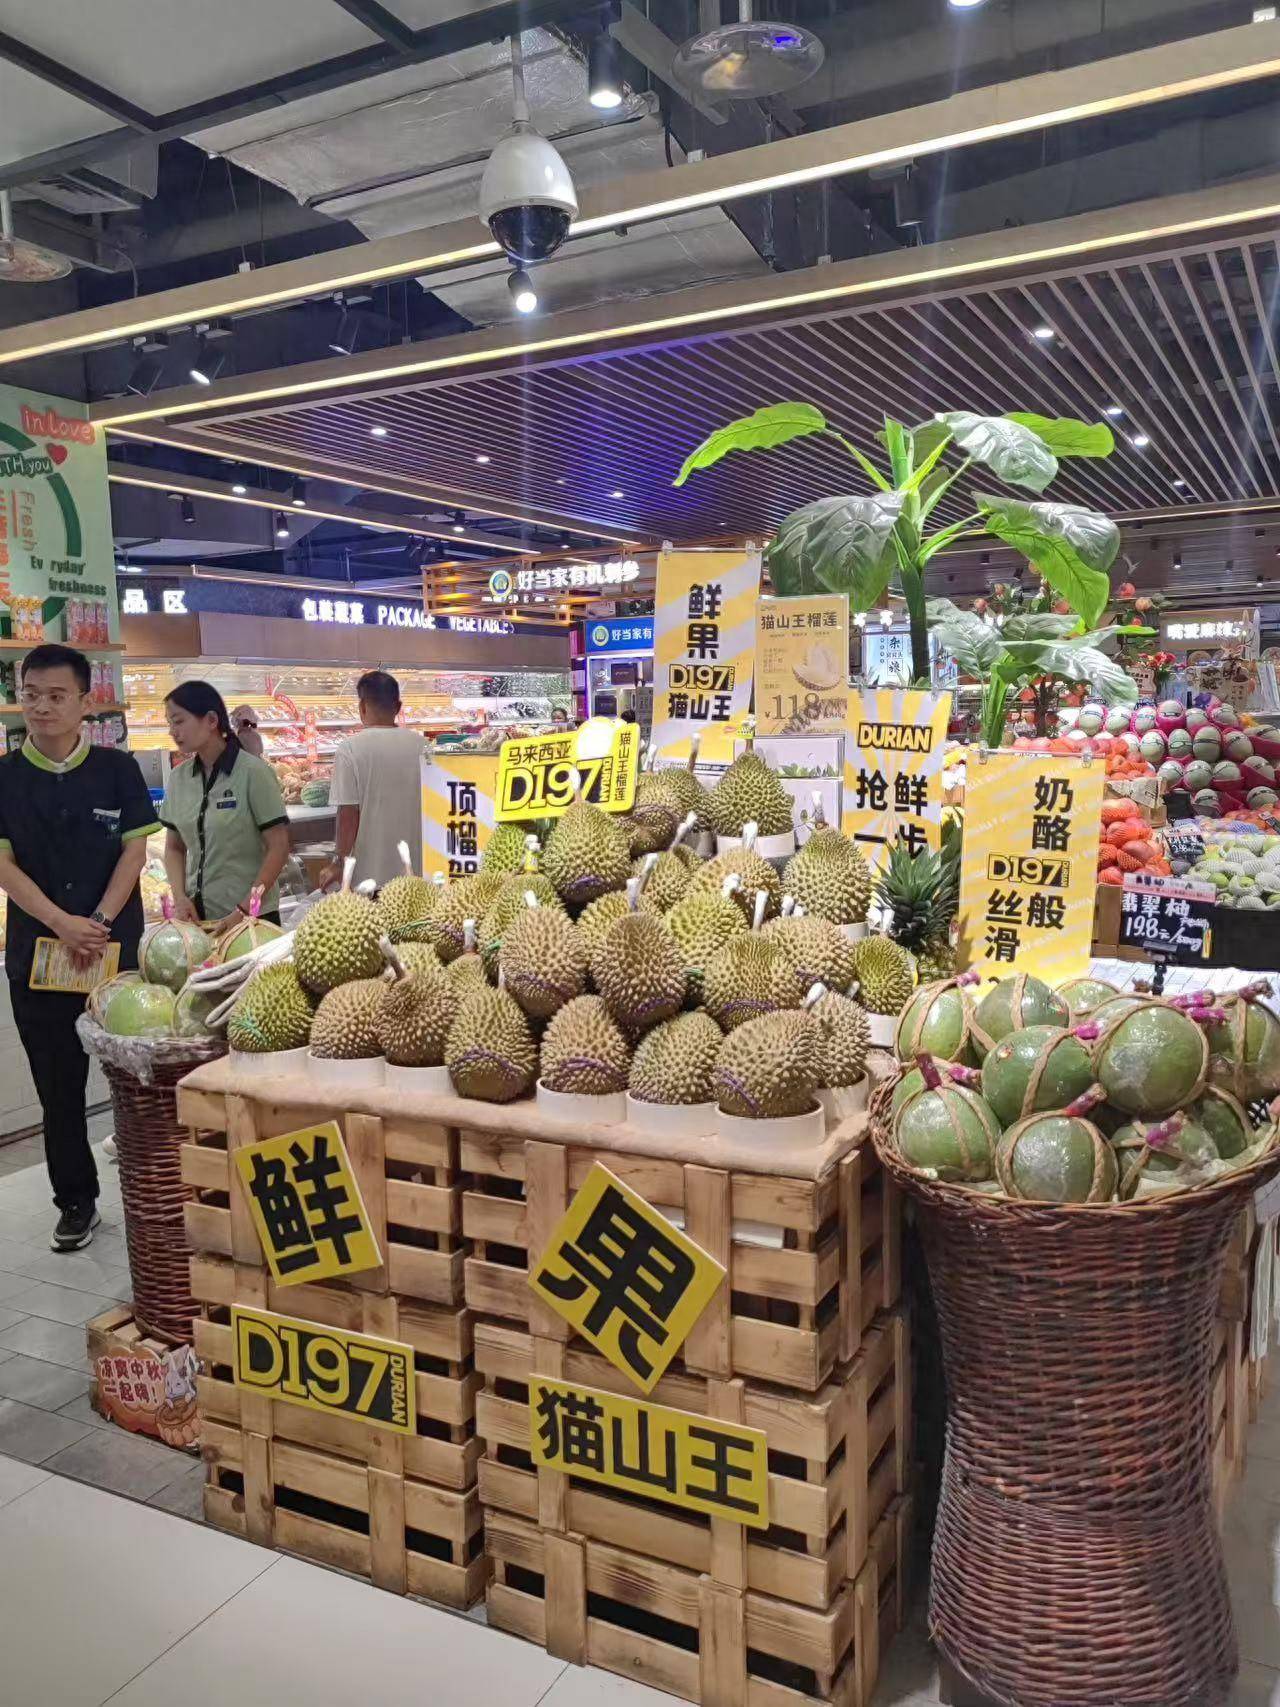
point(1168, 921)
point(53, 967)
point(537, 775)
point(802, 665)
point(324, 1369)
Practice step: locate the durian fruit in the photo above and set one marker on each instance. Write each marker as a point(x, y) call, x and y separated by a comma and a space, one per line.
point(819, 950)
point(243, 938)
point(490, 1052)
point(171, 950)
point(692, 795)
point(507, 849)
point(407, 901)
point(701, 925)
point(586, 854)
point(274, 1012)
point(337, 942)
point(595, 921)
point(946, 1130)
point(750, 976)
point(744, 863)
point(507, 908)
point(417, 1007)
point(750, 792)
point(1013, 1003)
point(469, 968)
point(829, 878)
point(674, 1062)
point(843, 1036)
point(542, 961)
point(885, 975)
point(656, 815)
point(583, 1051)
point(1057, 1158)
point(667, 882)
point(768, 1068)
point(345, 1027)
point(638, 969)
point(468, 898)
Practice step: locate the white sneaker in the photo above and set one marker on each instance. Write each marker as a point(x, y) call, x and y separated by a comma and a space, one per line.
point(109, 1149)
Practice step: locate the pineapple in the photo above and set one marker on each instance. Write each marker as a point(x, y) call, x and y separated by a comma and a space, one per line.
point(921, 893)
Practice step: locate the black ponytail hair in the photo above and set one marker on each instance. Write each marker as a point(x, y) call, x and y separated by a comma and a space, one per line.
point(198, 699)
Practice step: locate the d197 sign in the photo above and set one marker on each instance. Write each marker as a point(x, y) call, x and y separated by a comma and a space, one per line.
point(538, 777)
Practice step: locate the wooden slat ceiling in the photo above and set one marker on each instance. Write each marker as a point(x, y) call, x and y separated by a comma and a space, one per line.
point(1184, 343)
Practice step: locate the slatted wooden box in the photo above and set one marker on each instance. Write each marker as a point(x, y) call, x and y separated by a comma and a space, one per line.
point(596, 1604)
point(809, 1261)
point(838, 1459)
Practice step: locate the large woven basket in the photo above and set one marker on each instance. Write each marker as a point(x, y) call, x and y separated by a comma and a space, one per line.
point(1076, 1560)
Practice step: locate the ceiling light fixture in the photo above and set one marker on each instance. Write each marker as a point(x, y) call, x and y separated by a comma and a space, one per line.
point(523, 294)
point(1140, 441)
point(207, 363)
point(604, 74)
point(346, 340)
point(298, 495)
point(459, 521)
point(378, 432)
point(1177, 560)
point(1043, 334)
point(282, 526)
point(1114, 410)
point(188, 512)
point(1179, 482)
point(239, 488)
point(617, 493)
point(965, 5)
point(483, 458)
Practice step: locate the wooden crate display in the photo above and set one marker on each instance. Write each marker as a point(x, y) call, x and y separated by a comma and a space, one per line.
point(809, 1262)
point(838, 1459)
point(596, 1604)
point(407, 1170)
point(445, 1450)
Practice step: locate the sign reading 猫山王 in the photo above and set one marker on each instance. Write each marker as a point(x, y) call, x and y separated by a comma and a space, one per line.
point(539, 774)
point(699, 1463)
point(893, 756)
point(323, 1368)
point(627, 1280)
point(704, 628)
point(306, 1206)
point(802, 665)
point(458, 791)
point(1028, 869)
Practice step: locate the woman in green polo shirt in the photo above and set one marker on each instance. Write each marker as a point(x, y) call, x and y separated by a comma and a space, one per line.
point(227, 829)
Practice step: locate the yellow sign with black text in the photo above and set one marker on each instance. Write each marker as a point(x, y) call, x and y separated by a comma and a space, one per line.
point(458, 791)
point(307, 1206)
point(537, 775)
point(704, 643)
point(625, 1278)
point(323, 1368)
point(893, 756)
point(719, 1469)
point(1029, 865)
point(802, 665)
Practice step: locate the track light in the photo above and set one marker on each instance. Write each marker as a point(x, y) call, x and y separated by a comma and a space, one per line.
point(147, 369)
point(523, 294)
point(207, 363)
point(604, 75)
point(282, 526)
point(188, 512)
point(298, 494)
point(459, 521)
point(965, 5)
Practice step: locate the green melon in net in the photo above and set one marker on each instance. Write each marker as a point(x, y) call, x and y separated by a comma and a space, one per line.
point(1056, 1158)
point(139, 1010)
point(1245, 1047)
point(937, 1020)
point(1014, 1003)
point(1225, 1118)
point(948, 1132)
point(170, 952)
point(1083, 995)
point(1150, 1060)
point(1162, 1151)
point(1038, 1068)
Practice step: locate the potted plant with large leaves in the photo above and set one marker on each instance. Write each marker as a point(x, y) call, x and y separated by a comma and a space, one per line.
point(858, 544)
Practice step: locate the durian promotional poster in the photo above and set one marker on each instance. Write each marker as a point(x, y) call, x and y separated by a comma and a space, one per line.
point(802, 665)
point(704, 631)
point(893, 758)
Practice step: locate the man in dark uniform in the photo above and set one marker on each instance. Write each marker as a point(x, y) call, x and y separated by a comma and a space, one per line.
point(74, 819)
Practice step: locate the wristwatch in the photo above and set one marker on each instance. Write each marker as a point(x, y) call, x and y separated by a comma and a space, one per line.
point(100, 918)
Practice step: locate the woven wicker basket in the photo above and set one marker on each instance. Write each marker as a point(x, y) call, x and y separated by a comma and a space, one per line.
point(1076, 1560)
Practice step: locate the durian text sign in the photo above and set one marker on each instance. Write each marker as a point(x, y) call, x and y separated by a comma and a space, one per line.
point(893, 757)
point(538, 775)
point(322, 1368)
point(627, 1280)
point(802, 665)
point(1029, 864)
point(306, 1206)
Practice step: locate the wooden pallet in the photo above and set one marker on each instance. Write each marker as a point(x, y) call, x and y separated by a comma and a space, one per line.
point(407, 1172)
point(838, 1460)
point(445, 1450)
point(810, 1262)
point(600, 1605)
point(117, 1336)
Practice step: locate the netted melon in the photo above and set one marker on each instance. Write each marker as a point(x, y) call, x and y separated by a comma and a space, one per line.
point(1225, 1118)
point(938, 1020)
point(1245, 1047)
point(1040, 1067)
point(1014, 1003)
point(171, 950)
point(1149, 1061)
point(1083, 995)
point(139, 1010)
point(947, 1132)
point(1056, 1158)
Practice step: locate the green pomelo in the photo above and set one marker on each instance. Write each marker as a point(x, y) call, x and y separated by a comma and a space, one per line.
point(1246, 1051)
point(1056, 1158)
point(140, 1010)
point(191, 1011)
point(243, 939)
point(170, 952)
point(1040, 1067)
point(1151, 1060)
point(1225, 1118)
point(1136, 1158)
point(938, 1020)
point(1014, 1003)
point(949, 1132)
point(1083, 995)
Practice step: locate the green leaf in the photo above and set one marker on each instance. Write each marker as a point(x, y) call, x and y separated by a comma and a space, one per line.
point(1066, 436)
point(975, 645)
point(1070, 546)
point(1085, 663)
point(1039, 626)
point(837, 545)
point(764, 430)
point(1011, 451)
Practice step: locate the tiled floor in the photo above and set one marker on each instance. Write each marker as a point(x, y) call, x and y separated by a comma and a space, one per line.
point(108, 1599)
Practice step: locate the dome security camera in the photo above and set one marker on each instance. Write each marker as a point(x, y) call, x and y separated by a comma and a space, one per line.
point(527, 198)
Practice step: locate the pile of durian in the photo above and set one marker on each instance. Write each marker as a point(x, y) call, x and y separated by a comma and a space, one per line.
point(607, 961)
point(1083, 1094)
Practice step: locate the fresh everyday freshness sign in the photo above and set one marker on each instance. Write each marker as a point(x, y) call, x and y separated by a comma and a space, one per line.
point(55, 509)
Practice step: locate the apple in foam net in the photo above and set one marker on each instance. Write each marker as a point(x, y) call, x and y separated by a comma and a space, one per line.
point(1143, 718)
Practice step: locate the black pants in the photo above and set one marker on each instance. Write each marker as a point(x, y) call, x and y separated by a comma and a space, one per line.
point(46, 1022)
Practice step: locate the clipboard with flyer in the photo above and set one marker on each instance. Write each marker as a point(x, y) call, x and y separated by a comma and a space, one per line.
point(53, 967)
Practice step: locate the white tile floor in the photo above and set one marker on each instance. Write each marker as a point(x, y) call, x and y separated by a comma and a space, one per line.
point(112, 1599)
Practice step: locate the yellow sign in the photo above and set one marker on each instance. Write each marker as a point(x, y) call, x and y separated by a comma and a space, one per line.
point(307, 1206)
point(802, 665)
point(457, 811)
point(704, 635)
point(625, 1278)
point(54, 967)
point(717, 1468)
point(893, 769)
point(538, 774)
point(1028, 872)
point(324, 1369)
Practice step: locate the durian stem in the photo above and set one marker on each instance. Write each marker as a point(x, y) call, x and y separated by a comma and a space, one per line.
point(392, 959)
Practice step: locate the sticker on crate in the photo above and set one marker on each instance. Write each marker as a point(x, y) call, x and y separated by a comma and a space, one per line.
point(324, 1369)
point(625, 1278)
point(307, 1206)
point(698, 1463)
point(150, 1394)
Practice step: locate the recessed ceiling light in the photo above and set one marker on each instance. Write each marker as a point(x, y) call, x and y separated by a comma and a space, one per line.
point(560, 482)
point(1114, 410)
point(239, 488)
point(1179, 482)
point(617, 494)
point(483, 458)
point(377, 432)
point(1140, 441)
point(1044, 334)
point(964, 5)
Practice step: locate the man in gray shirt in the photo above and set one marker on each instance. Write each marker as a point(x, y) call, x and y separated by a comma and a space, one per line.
point(377, 788)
